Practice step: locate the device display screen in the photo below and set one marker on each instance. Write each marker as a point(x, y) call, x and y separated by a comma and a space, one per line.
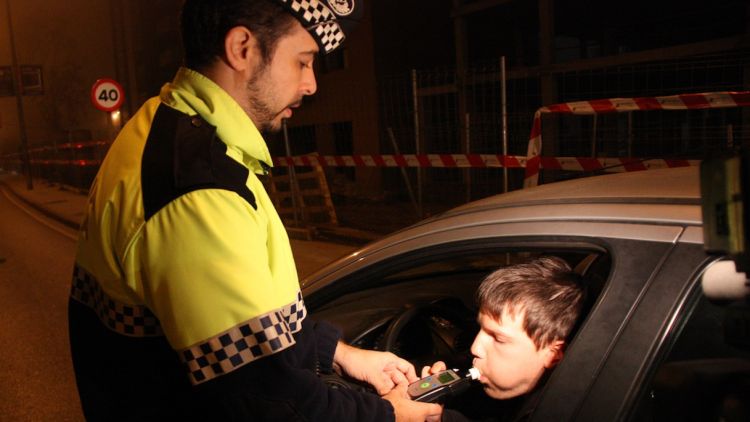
point(445, 377)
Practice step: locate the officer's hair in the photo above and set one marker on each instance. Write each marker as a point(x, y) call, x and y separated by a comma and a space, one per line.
point(205, 24)
point(544, 291)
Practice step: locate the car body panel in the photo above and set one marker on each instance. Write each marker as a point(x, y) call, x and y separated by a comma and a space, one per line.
point(672, 200)
point(590, 350)
point(465, 232)
point(646, 331)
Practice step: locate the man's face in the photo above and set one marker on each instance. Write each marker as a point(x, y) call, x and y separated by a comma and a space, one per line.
point(278, 86)
point(507, 358)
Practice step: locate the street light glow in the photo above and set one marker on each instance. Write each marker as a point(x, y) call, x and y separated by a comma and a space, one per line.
point(115, 116)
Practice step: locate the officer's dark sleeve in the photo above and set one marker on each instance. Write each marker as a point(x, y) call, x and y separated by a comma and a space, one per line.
point(285, 387)
point(327, 337)
point(453, 416)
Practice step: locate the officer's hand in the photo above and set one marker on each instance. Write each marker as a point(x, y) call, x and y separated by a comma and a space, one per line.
point(434, 369)
point(407, 410)
point(382, 370)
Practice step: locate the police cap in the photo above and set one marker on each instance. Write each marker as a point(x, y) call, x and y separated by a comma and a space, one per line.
point(328, 21)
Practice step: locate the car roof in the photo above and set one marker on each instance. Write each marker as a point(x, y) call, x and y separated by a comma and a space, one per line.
point(669, 196)
point(670, 185)
point(654, 205)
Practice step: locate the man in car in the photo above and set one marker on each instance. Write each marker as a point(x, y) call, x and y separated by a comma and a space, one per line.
point(526, 313)
point(185, 302)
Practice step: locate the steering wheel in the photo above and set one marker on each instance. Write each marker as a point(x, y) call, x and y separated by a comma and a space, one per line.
point(340, 382)
point(442, 329)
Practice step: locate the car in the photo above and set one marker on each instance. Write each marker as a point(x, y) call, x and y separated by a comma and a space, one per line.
point(651, 346)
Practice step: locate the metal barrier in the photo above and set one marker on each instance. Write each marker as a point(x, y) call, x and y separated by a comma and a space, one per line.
point(72, 164)
point(423, 108)
point(595, 108)
point(432, 157)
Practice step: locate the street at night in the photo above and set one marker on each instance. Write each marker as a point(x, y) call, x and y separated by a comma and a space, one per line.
point(375, 210)
point(36, 258)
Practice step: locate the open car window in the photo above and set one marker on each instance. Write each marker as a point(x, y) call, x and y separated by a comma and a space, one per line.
point(421, 304)
point(488, 261)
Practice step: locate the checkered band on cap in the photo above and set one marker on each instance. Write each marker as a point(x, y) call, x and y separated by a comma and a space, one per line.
point(319, 20)
point(261, 336)
point(130, 320)
point(330, 35)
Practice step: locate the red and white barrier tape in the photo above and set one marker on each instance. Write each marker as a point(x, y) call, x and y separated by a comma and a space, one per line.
point(617, 105)
point(74, 163)
point(615, 165)
point(442, 161)
point(59, 148)
point(480, 161)
point(405, 160)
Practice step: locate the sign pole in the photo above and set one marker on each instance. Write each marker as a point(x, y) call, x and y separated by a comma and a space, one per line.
point(17, 87)
point(107, 95)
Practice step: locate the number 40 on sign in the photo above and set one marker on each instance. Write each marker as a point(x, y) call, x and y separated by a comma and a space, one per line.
point(107, 95)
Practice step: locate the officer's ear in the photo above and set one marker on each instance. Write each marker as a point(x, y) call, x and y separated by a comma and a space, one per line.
point(241, 49)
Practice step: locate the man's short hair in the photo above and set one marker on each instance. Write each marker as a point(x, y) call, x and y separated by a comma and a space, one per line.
point(205, 24)
point(544, 290)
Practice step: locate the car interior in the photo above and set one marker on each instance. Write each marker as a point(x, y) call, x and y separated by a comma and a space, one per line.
point(422, 307)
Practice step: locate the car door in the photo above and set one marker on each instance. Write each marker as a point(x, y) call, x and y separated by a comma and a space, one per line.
point(629, 253)
point(587, 362)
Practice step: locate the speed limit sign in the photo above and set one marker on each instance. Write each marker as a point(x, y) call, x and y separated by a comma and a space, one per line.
point(107, 95)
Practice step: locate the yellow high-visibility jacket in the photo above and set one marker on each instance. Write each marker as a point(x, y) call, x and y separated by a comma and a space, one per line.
point(181, 250)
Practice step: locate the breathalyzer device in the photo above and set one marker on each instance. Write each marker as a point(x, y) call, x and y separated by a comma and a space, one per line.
point(437, 387)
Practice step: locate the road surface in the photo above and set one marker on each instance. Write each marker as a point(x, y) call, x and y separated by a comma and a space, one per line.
point(36, 260)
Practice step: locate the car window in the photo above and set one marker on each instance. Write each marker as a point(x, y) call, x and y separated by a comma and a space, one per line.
point(486, 262)
point(421, 304)
point(705, 376)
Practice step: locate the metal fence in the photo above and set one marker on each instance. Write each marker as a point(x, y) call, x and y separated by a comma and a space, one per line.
point(436, 112)
point(73, 164)
point(436, 124)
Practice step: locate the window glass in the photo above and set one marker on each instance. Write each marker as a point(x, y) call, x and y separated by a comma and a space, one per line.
point(706, 374)
point(335, 60)
point(343, 142)
point(6, 82)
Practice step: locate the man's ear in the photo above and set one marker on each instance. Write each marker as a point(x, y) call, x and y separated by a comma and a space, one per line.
point(240, 49)
point(553, 353)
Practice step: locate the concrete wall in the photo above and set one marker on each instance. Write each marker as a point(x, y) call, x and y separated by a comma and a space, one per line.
point(348, 95)
point(79, 41)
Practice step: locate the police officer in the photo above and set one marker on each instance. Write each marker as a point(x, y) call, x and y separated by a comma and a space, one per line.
point(185, 302)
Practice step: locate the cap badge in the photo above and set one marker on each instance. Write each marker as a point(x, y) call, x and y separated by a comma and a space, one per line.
point(341, 7)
